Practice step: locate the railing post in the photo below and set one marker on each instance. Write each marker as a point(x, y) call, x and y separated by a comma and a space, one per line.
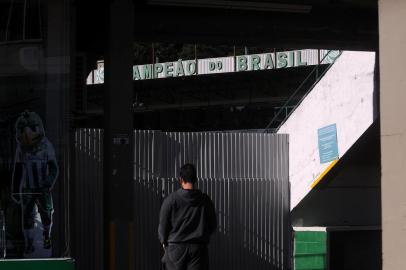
point(318, 64)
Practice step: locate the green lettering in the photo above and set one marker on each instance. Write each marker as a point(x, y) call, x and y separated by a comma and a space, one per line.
point(191, 67)
point(147, 72)
point(282, 60)
point(299, 59)
point(219, 65)
point(242, 63)
point(292, 58)
point(255, 60)
point(179, 69)
point(168, 70)
point(212, 66)
point(269, 64)
point(158, 68)
point(136, 73)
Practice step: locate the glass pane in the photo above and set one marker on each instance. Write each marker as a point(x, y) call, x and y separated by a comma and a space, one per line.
point(34, 76)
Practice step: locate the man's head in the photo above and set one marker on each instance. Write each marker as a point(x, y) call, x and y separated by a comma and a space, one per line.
point(187, 175)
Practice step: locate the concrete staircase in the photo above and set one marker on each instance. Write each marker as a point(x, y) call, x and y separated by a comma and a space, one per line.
point(342, 106)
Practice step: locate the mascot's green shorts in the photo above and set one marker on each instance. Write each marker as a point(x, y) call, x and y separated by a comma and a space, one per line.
point(35, 172)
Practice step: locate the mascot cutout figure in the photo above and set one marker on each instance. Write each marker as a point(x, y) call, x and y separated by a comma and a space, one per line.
point(35, 172)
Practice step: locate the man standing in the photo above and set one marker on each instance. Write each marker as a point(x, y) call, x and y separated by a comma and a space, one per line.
point(186, 222)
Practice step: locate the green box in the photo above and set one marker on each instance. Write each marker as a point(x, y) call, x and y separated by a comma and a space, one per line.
point(310, 250)
point(307, 236)
point(38, 264)
point(307, 262)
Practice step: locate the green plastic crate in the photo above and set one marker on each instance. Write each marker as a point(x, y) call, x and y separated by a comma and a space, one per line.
point(310, 250)
point(37, 264)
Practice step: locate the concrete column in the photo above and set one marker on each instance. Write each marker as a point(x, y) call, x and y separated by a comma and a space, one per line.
point(57, 86)
point(118, 137)
point(392, 45)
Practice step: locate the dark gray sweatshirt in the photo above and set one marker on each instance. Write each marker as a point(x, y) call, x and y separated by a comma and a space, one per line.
point(187, 216)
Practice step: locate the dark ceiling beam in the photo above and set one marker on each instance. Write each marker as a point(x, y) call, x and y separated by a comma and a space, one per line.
point(346, 25)
point(324, 27)
point(269, 101)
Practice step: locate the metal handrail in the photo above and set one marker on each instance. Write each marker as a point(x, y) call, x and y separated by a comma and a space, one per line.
point(282, 108)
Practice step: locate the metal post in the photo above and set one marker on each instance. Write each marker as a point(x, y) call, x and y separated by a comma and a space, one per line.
point(118, 139)
point(58, 50)
point(318, 64)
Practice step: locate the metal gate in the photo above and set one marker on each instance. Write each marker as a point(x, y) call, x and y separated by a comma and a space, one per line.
point(245, 174)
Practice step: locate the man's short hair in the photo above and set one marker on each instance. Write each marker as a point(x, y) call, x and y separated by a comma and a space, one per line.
point(188, 173)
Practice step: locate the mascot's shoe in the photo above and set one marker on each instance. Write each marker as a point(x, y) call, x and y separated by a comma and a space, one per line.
point(47, 242)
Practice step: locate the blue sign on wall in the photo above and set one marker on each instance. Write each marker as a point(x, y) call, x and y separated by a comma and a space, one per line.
point(328, 148)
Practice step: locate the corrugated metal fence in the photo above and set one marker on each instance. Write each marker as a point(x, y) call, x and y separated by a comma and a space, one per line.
point(246, 175)
point(87, 190)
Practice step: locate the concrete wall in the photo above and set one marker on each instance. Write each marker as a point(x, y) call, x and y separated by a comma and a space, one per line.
point(350, 194)
point(344, 96)
point(392, 43)
point(359, 185)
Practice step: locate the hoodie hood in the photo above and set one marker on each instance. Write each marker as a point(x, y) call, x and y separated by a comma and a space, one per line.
point(191, 196)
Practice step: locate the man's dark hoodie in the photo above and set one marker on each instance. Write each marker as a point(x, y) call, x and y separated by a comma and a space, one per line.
point(187, 216)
